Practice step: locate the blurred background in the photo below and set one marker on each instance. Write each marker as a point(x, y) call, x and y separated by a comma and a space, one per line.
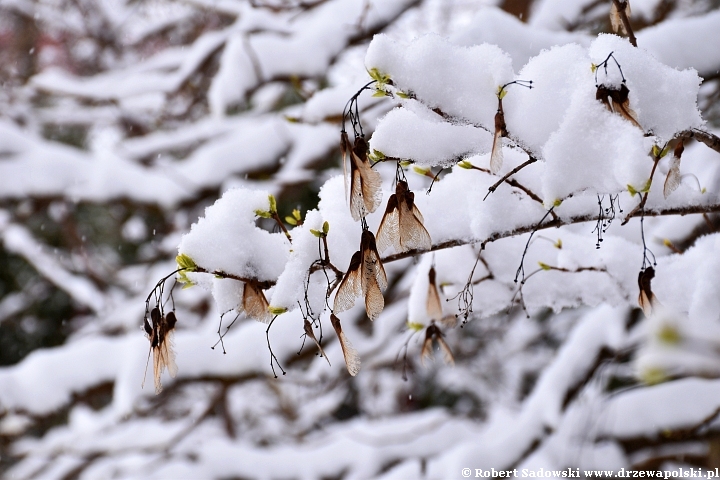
point(121, 120)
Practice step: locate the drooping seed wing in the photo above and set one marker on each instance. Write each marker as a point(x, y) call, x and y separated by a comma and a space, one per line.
point(351, 285)
point(254, 303)
point(389, 231)
point(433, 305)
point(352, 359)
point(413, 234)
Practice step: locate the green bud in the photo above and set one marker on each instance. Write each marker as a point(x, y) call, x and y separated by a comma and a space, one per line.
point(326, 227)
point(669, 334)
point(544, 266)
point(277, 310)
point(185, 262)
point(465, 164)
point(414, 326)
point(263, 214)
point(290, 220)
point(273, 203)
point(316, 233)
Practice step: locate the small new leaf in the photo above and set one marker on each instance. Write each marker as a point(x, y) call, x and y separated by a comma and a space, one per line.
point(378, 76)
point(326, 227)
point(277, 310)
point(273, 203)
point(290, 220)
point(316, 233)
point(465, 164)
point(415, 327)
point(186, 263)
point(263, 213)
point(544, 266)
point(376, 156)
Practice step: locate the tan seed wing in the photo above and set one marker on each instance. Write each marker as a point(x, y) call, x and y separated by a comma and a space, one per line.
point(417, 214)
point(357, 205)
point(389, 232)
point(371, 186)
point(646, 299)
point(365, 183)
point(449, 321)
point(164, 357)
point(413, 234)
point(496, 155)
point(351, 286)
point(255, 304)
point(352, 359)
point(426, 352)
point(626, 112)
point(447, 353)
point(433, 305)
point(374, 300)
point(672, 181)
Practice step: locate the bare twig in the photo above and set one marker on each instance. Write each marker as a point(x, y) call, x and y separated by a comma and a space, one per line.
point(620, 6)
point(512, 172)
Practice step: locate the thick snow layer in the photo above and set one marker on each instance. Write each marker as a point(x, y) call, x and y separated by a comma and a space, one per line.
point(505, 439)
point(681, 42)
point(420, 135)
point(518, 39)
point(226, 239)
point(38, 387)
point(627, 415)
point(428, 66)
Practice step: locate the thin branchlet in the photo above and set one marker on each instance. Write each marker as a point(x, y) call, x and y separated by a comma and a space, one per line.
point(273, 358)
point(521, 268)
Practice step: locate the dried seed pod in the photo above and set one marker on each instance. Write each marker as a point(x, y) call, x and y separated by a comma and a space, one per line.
point(365, 183)
point(673, 179)
point(352, 359)
point(496, 154)
point(646, 299)
point(433, 333)
point(433, 305)
point(254, 302)
point(617, 100)
point(160, 334)
point(365, 277)
point(402, 223)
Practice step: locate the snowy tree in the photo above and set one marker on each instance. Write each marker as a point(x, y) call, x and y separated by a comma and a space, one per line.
point(514, 267)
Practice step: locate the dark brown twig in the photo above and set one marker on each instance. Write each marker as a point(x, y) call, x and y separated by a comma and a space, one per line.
point(512, 172)
point(620, 6)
